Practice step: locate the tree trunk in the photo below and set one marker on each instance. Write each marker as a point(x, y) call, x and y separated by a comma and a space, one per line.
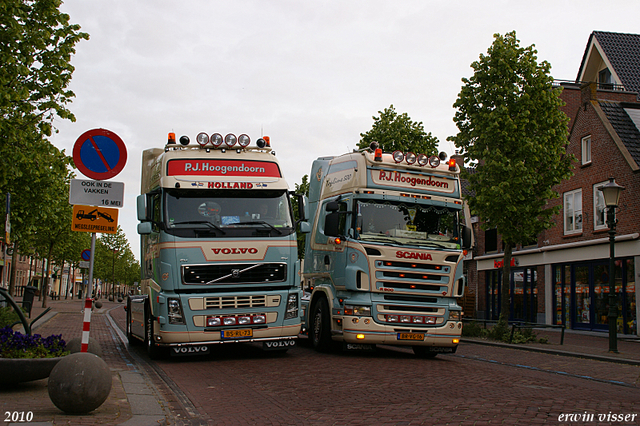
point(505, 308)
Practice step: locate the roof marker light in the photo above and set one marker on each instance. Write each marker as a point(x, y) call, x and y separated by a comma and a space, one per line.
point(398, 156)
point(202, 138)
point(452, 164)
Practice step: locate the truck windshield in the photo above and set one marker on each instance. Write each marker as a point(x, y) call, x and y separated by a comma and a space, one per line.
point(406, 223)
point(212, 213)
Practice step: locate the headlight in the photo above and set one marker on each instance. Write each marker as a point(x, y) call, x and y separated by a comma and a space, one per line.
point(292, 306)
point(362, 311)
point(175, 311)
point(454, 315)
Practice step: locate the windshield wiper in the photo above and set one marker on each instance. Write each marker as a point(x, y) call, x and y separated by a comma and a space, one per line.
point(200, 222)
point(260, 222)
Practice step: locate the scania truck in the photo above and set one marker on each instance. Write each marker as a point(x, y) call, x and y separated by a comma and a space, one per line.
point(218, 248)
point(383, 263)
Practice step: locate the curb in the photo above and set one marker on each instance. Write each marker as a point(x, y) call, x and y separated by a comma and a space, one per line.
point(554, 352)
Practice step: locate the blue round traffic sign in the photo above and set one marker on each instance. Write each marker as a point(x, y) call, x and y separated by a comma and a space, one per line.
point(99, 154)
point(86, 254)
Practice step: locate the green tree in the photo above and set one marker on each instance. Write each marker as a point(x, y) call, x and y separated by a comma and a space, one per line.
point(112, 259)
point(398, 132)
point(301, 188)
point(36, 45)
point(510, 125)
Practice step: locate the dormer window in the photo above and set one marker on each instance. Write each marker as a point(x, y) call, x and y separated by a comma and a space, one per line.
point(604, 79)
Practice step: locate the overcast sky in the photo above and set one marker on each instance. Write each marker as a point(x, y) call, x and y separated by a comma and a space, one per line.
point(309, 74)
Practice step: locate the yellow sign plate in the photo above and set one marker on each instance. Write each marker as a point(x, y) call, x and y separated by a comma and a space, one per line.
point(101, 220)
point(236, 334)
point(410, 336)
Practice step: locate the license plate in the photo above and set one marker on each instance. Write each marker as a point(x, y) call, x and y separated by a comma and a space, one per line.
point(410, 336)
point(236, 334)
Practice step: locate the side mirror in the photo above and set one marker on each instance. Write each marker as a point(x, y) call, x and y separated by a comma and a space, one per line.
point(466, 237)
point(305, 228)
point(332, 206)
point(145, 228)
point(331, 224)
point(141, 205)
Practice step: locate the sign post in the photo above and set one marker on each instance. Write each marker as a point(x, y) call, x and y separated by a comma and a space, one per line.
point(99, 154)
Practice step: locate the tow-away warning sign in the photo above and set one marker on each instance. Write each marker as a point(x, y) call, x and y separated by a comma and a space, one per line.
point(94, 219)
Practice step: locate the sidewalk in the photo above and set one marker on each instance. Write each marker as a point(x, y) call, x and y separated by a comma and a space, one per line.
point(582, 344)
point(134, 399)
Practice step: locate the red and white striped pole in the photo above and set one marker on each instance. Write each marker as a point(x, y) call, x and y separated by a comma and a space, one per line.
point(86, 326)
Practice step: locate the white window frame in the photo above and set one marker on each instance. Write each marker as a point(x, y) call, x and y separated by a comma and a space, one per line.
point(586, 150)
point(599, 208)
point(572, 207)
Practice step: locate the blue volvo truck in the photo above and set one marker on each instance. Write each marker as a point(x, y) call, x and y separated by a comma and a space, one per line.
point(218, 248)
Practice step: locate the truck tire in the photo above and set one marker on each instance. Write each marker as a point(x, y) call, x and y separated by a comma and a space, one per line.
point(320, 331)
point(423, 352)
point(153, 350)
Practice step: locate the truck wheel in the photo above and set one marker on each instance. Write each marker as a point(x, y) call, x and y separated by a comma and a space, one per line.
point(423, 352)
point(320, 331)
point(132, 340)
point(153, 350)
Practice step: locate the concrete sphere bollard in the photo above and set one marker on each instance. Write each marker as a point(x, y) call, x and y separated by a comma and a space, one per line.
point(75, 345)
point(79, 383)
point(98, 304)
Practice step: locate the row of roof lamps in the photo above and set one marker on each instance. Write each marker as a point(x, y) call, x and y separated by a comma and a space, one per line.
point(420, 159)
point(216, 140)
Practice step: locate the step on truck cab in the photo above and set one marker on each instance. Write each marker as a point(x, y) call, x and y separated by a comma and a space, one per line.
point(383, 261)
point(218, 248)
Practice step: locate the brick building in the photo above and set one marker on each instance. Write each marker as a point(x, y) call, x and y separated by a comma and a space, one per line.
point(563, 277)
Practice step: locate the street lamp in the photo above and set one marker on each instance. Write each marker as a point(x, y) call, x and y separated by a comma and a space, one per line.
point(611, 193)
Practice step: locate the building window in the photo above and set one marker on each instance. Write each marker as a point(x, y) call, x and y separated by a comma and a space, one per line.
point(599, 209)
point(490, 240)
point(586, 150)
point(573, 212)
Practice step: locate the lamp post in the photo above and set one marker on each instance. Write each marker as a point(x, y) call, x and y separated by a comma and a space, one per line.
point(611, 193)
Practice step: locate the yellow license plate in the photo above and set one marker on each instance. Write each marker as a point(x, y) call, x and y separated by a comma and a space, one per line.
point(410, 336)
point(236, 334)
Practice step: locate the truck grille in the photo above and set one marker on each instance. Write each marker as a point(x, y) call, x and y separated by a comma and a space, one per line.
point(412, 277)
point(235, 302)
point(244, 273)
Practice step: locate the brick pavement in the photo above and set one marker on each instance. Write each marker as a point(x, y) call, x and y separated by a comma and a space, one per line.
point(140, 397)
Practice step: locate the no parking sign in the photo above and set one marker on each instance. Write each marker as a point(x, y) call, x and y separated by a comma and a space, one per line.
point(99, 154)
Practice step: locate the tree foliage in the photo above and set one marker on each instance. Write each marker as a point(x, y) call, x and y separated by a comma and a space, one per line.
point(301, 188)
point(398, 132)
point(114, 261)
point(36, 45)
point(511, 126)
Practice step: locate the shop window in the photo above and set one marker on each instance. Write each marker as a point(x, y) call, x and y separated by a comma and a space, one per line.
point(599, 208)
point(573, 212)
point(586, 150)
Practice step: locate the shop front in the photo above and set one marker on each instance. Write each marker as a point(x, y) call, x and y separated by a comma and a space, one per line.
point(581, 295)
